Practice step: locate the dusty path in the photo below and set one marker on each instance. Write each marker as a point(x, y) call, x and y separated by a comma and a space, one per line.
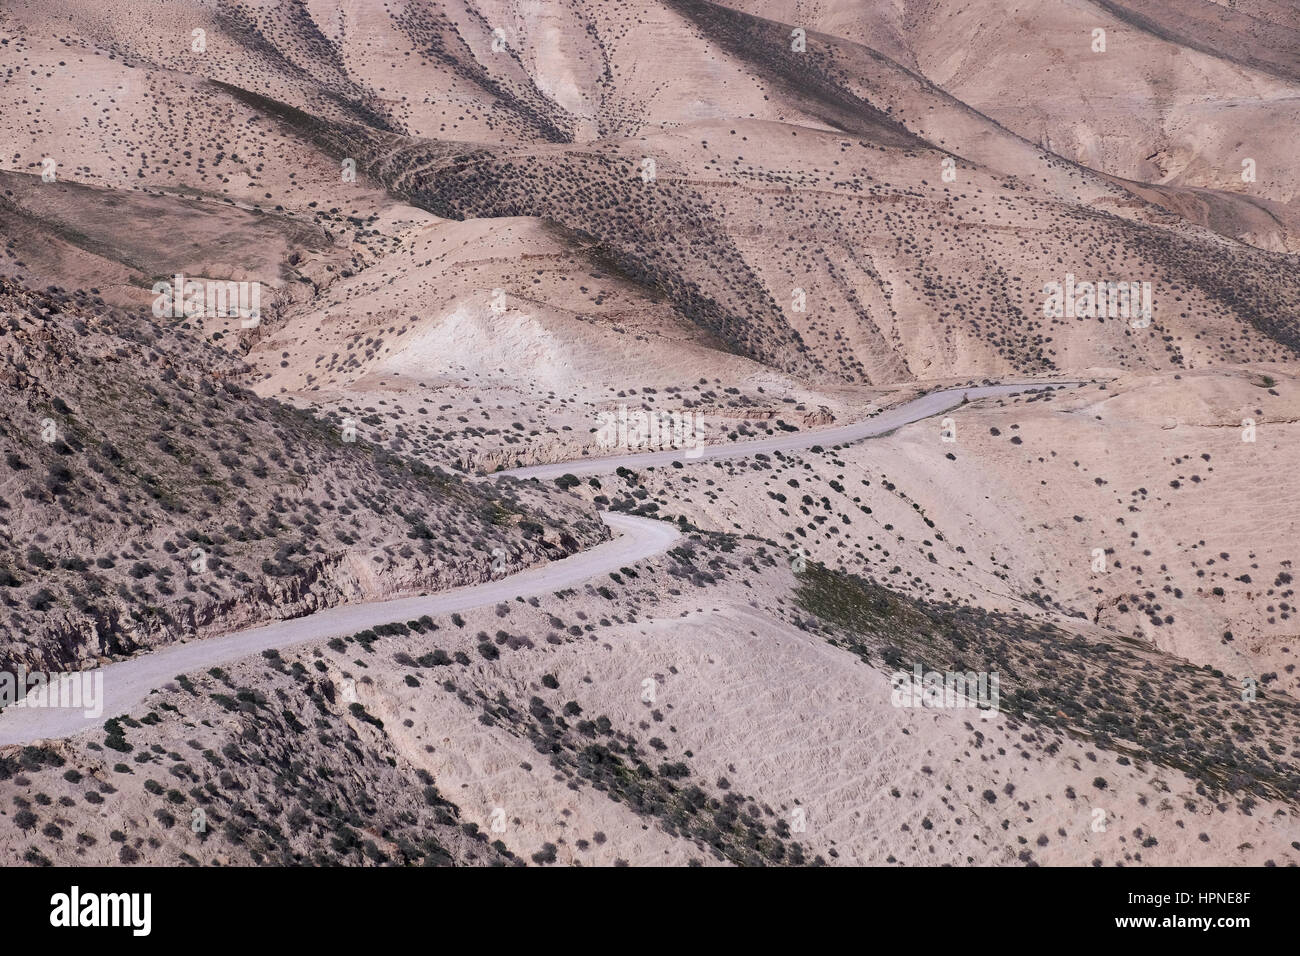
point(127, 683)
point(934, 403)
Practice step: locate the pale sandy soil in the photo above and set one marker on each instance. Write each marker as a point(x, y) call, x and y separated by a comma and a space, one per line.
point(828, 232)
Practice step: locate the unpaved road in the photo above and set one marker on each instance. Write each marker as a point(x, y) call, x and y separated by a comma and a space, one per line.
point(935, 403)
point(127, 683)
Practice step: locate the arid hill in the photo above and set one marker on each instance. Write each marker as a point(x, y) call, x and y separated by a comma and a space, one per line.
point(484, 229)
point(148, 497)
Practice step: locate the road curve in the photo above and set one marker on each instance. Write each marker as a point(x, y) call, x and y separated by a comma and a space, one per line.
point(934, 403)
point(127, 683)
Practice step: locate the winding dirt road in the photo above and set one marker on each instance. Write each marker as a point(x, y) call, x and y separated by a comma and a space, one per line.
point(935, 403)
point(127, 683)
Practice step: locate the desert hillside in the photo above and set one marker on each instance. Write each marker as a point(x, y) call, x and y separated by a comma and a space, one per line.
point(708, 374)
point(149, 497)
